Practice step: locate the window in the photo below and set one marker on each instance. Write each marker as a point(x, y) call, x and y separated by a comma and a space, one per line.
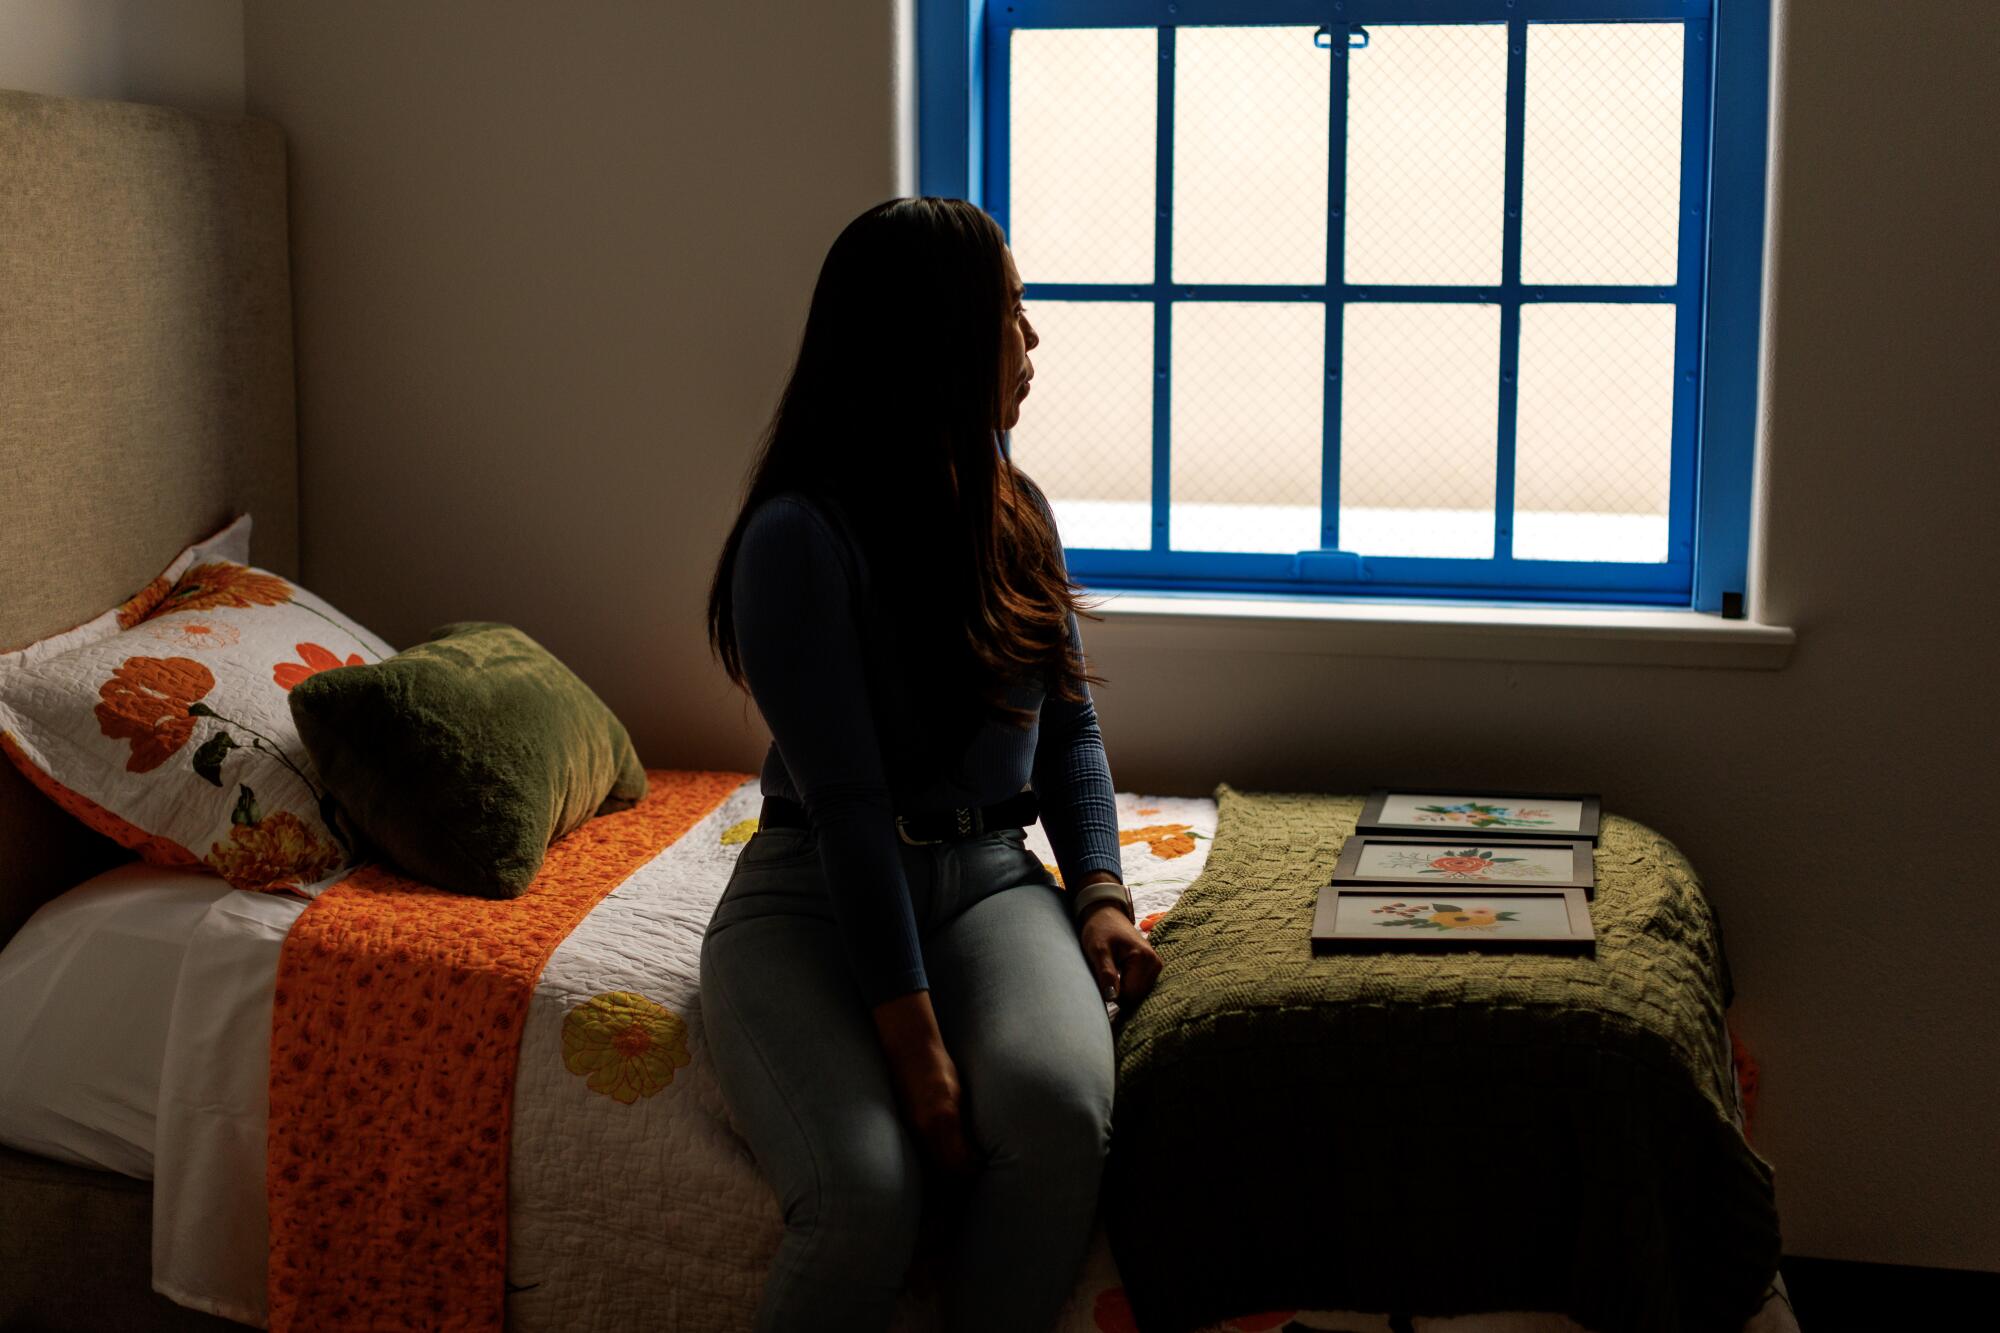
point(1452, 298)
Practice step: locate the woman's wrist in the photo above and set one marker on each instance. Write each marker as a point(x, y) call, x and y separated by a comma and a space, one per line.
point(907, 1024)
point(1091, 909)
point(1100, 888)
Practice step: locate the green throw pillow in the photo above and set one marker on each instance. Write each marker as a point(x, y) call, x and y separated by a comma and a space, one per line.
point(463, 758)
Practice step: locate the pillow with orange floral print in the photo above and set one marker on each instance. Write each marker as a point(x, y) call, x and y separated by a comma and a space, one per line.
point(164, 724)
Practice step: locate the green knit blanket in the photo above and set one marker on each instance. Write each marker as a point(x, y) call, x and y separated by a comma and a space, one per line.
point(1437, 1133)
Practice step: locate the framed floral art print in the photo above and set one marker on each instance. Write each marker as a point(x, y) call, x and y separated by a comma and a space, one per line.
point(1497, 867)
point(1366, 919)
point(1488, 815)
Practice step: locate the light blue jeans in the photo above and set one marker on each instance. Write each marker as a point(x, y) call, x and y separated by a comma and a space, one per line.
point(806, 1082)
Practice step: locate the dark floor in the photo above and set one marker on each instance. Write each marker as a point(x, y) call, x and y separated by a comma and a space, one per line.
point(1830, 1296)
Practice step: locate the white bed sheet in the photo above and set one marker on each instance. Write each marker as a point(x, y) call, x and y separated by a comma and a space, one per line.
point(211, 1231)
point(135, 1036)
point(85, 987)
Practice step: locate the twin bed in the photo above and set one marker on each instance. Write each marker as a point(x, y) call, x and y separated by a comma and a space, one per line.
point(191, 1103)
point(631, 1202)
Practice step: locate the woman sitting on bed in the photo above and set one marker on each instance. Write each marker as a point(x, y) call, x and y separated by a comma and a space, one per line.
point(892, 979)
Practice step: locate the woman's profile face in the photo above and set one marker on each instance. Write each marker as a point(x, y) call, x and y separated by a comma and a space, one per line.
point(1017, 339)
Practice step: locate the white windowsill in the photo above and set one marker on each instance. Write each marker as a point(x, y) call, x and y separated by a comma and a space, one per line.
point(1334, 627)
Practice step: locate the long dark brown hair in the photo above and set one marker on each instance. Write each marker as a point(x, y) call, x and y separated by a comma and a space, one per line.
point(891, 416)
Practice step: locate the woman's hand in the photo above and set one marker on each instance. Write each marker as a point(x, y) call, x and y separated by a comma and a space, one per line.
point(926, 1079)
point(1119, 956)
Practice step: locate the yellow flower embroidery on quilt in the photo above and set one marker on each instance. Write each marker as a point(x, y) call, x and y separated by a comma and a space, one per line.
point(625, 1045)
point(738, 832)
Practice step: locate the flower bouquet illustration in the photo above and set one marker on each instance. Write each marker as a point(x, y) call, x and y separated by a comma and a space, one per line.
point(1480, 815)
point(1473, 863)
point(1442, 916)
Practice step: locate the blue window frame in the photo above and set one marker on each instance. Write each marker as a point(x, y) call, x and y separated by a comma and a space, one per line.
point(964, 51)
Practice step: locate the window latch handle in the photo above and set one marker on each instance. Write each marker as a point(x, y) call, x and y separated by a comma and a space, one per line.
point(1331, 566)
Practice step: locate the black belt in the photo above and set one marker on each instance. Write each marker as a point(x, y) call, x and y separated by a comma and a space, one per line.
point(923, 830)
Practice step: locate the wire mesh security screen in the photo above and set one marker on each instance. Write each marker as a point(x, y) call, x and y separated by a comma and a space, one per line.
point(1427, 154)
point(1246, 410)
point(1387, 306)
point(1083, 158)
point(1250, 159)
point(1594, 446)
point(1417, 410)
point(1091, 446)
point(1603, 179)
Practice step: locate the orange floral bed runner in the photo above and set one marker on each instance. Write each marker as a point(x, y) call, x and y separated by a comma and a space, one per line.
point(394, 1046)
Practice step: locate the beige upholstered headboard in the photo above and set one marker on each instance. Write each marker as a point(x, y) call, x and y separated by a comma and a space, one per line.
point(146, 389)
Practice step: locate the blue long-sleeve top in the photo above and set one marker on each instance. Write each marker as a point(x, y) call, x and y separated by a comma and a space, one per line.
point(798, 587)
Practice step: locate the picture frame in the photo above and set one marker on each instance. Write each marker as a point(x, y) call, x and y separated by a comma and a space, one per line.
point(1373, 919)
point(1479, 865)
point(1425, 810)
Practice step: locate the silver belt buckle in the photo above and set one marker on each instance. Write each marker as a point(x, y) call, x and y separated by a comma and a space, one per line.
point(967, 818)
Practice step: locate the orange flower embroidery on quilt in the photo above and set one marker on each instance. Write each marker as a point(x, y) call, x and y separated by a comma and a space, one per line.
point(1166, 840)
point(277, 852)
point(225, 583)
point(625, 1045)
point(315, 658)
point(141, 605)
point(146, 702)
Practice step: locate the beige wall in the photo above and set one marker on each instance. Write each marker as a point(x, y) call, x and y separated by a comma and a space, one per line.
point(550, 270)
point(184, 53)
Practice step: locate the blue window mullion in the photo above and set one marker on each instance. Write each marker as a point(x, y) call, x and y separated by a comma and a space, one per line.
point(1566, 580)
point(1687, 308)
point(1510, 284)
point(1149, 13)
point(1733, 299)
point(1163, 310)
point(948, 72)
point(992, 170)
point(1336, 279)
point(1434, 293)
